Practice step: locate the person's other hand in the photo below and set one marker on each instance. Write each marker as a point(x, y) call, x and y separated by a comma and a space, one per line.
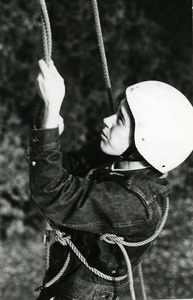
point(51, 87)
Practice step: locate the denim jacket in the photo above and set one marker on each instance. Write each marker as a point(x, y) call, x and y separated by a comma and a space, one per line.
point(127, 203)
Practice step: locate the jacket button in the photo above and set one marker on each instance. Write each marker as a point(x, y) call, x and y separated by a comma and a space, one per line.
point(33, 163)
point(35, 139)
point(105, 297)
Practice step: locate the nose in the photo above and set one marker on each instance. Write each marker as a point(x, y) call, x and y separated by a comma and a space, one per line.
point(109, 121)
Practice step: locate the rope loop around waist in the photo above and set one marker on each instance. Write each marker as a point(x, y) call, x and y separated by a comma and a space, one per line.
point(109, 238)
point(114, 239)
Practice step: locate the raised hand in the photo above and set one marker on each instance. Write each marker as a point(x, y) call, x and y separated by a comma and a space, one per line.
point(51, 89)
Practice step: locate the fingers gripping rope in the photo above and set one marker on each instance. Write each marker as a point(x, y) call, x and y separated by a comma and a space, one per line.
point(47, 48)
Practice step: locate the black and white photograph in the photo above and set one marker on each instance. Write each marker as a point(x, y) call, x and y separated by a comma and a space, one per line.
point(96, 150)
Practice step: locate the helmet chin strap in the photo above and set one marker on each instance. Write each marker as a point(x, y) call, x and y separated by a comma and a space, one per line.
point(129, 165)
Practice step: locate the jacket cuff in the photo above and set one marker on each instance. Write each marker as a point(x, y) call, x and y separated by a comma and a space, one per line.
point(44, 139)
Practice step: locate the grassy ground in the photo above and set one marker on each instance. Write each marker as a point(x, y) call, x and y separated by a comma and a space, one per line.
point(21, 267)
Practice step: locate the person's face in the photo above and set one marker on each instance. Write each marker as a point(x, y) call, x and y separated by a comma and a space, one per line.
point(117, 134)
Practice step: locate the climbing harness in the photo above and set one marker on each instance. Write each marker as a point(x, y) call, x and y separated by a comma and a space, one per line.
point(65, 240)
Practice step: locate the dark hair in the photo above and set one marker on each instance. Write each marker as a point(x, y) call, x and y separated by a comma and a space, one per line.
point(132, 154)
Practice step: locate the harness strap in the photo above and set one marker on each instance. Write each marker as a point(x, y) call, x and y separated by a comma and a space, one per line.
point(111, 239)
point(65, 240)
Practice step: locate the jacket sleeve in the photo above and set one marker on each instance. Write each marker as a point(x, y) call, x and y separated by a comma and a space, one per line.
point(75, 202)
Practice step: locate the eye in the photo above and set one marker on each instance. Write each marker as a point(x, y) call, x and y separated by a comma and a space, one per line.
point(120, 118)
point(119, 121)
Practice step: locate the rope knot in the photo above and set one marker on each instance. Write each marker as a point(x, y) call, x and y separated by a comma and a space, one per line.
point(62, 238)
point(111, 238)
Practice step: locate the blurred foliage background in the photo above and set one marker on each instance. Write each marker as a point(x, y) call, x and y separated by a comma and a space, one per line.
point(144, 40)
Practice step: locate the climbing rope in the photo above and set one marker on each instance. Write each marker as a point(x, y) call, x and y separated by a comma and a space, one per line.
point(46, 32)
point(141, 281)
point(63, 269)
point(102, 54)
point(65, 240)
point(47, 49)
point(111, 239)
point(47, 248)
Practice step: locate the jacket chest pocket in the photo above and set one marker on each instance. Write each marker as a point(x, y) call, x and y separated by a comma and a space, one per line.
point(143, 199)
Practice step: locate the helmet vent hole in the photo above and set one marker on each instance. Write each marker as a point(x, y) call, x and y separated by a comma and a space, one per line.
point(163, 166)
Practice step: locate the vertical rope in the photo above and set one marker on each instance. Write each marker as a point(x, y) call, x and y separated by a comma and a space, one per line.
point(46, 32)
point(47, 237)
point(102, 54)
point(129, 271)
point(141, 281)
point(47, 48)
point(44, 41)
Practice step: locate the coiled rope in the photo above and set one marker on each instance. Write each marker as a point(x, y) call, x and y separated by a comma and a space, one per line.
point(111, 239)
point(102, 54)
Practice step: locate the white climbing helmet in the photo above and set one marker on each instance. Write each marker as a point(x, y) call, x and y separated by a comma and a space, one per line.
point(163, 123)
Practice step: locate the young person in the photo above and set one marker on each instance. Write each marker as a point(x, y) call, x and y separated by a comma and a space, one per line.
point(112, 185)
